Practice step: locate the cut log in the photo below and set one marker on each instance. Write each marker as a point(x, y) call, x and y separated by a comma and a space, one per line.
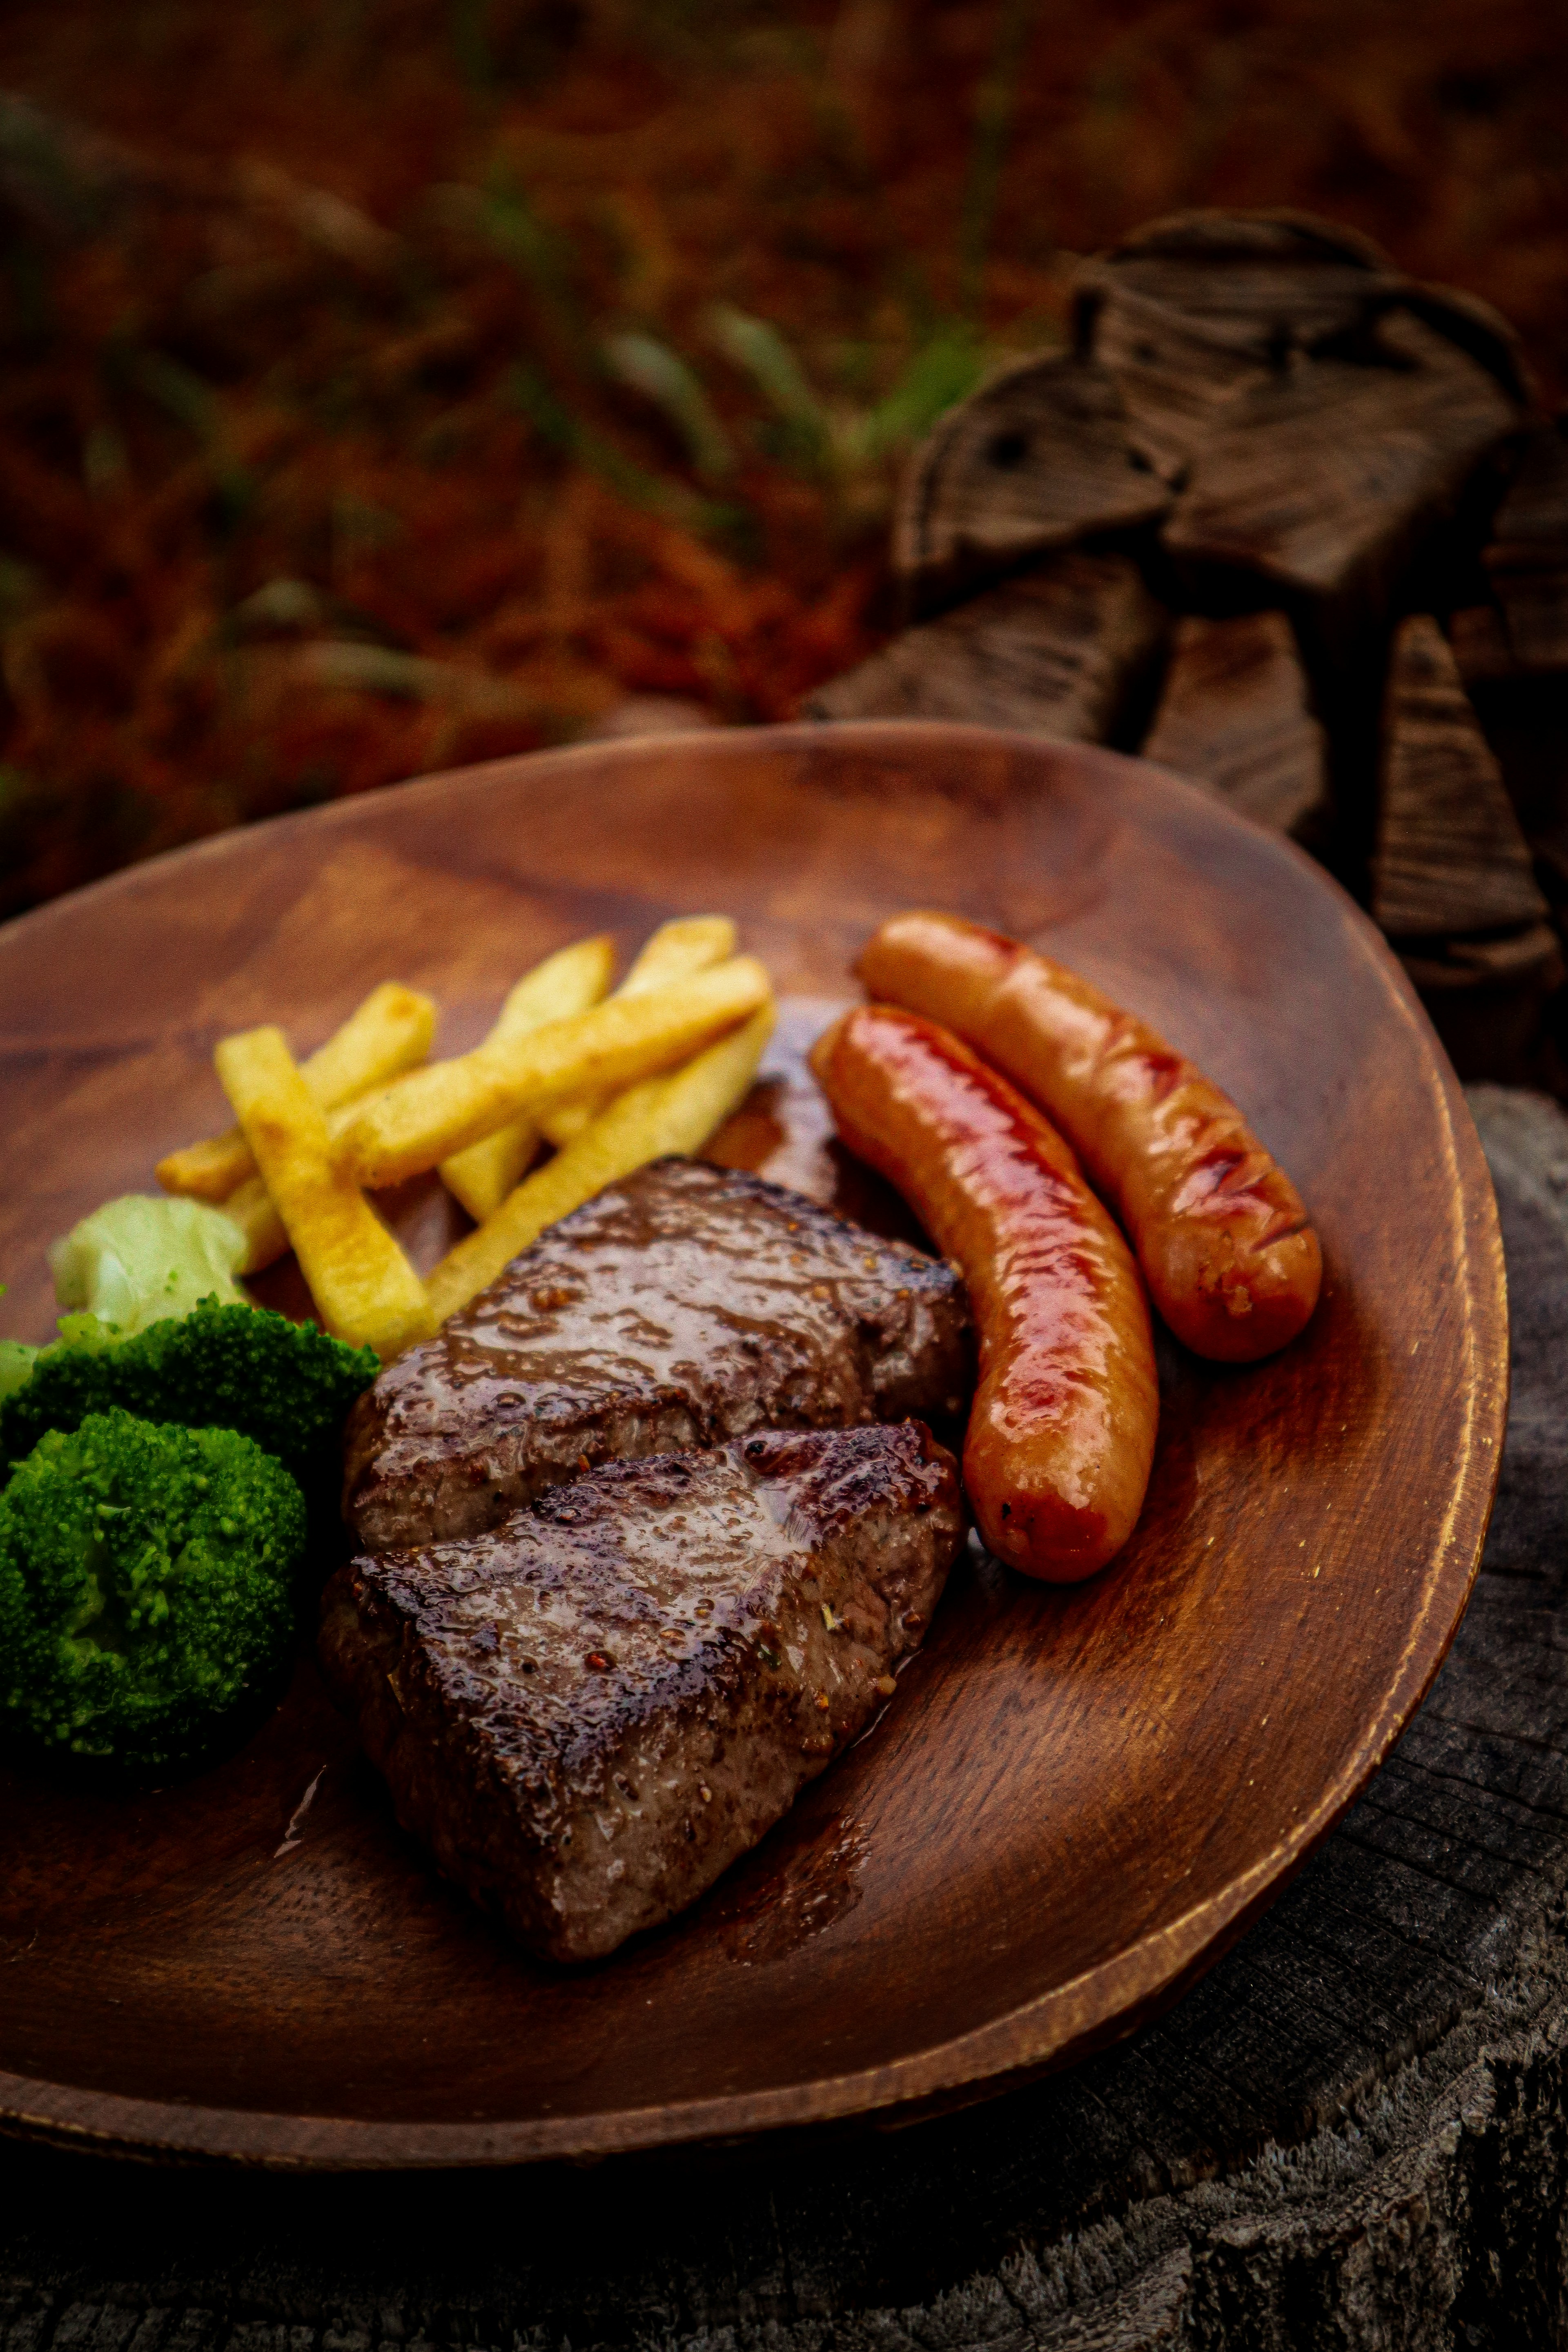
point(1036, 460)
point(1328, 477)
point(1317, 429)
point(1192, 312)
point(1528, 557)
point(1234, 714)
point(1195, 310)
point(1451, 858)
point(1479, 637)
point(1178, 376)
point(1292, 264)
point(1063, 650)
point(1486, 999)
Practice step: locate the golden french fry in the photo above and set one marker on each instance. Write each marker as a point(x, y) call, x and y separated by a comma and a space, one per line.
point(691, 943)
point(434, 1112)
point(364, 1288)
point(564, 983)
point(250, 1203)
point(266, 1239)
point(677, 1112)
point(388, 1033)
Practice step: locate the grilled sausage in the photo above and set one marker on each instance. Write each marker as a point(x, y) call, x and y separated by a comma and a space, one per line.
point(1220, 1231)
point(1061, 1436)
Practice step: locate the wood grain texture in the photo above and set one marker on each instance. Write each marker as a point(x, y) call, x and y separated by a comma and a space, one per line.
point(1326, 479)
point(1217, 324)
point(1235, 714)
point(1451, 858)
point(1354, 2126)
point(1063, 650)
point(1078, 1799)
point(1526, 557)
point(1037, 459)
point(1190, 313)
point(1328, 435)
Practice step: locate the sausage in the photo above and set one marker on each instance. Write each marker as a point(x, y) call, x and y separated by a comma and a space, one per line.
point(1061, 1435)
point(1231, 1261)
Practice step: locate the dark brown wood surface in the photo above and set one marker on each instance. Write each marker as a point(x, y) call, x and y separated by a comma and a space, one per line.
point(1323, 435)
point(1189, 313)
point(1066, 649)
point(1235, 713)
point(1526, 557)
point(1078, 1799)
point(1319, 435)
point(1326, 477)
point(1039, 458)
point(1316, 414)
point(1451, 857)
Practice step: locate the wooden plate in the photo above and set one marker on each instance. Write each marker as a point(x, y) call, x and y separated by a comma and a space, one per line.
point(1078, 1799)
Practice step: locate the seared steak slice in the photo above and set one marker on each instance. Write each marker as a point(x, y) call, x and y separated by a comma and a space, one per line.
point(591, 1712)
point(683, 1306)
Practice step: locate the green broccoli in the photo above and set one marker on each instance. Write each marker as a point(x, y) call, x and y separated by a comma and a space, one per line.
point(287, 1385)
point(17, 1360)
point(145, 1584)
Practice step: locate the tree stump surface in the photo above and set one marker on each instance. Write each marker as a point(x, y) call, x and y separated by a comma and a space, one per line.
point(1061, 651)
point(1039, 460)
point(1281, 433)
point(1451, 858)
point(1526, 558)
point(1235, 714)
point(1354, 2131)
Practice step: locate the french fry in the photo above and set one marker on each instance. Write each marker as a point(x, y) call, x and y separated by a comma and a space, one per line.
point(364, 1288)
point(564, 983)
point(691, 943)
point(266, 1239)
point(388, 1033)
point(250, 1203)
point(677, 1112)
point(437, 1111)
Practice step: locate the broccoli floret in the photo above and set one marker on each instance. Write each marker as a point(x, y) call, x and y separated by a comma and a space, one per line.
point(17, 1360)
point(145, 1576)
point(287, 1385)
point(137, 1260)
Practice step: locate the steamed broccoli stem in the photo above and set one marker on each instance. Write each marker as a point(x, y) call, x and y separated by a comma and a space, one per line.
point(145, 1577)
point(144, 1258)
point(17, 1362)
point(287, 1385)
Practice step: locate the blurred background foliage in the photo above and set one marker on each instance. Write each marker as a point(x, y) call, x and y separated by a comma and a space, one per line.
point(389, 383)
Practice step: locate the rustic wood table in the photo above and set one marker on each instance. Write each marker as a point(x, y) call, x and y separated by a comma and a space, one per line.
point(1351, 2132)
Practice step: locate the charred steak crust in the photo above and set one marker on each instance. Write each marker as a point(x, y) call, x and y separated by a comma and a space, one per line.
point(681, 1308)
point(589, 1713)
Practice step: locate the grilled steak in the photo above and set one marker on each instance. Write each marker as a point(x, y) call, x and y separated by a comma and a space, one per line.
point(590, 1712)
point(683, 1306)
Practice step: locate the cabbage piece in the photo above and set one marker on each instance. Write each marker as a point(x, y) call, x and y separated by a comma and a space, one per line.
point(143, 1258)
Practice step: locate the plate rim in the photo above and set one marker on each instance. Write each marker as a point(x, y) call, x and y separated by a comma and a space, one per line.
point(1065, 2024)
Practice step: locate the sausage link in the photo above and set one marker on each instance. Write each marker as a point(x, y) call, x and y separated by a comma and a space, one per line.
point(1220, 1231)
point(1061, 1435)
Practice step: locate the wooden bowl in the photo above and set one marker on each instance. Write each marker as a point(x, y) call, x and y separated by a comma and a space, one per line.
point(1080, 1798)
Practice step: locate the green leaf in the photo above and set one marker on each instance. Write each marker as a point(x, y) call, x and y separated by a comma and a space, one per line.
point(570, 438)
point(943, 372)
point(661, 375)
point(756, 347)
